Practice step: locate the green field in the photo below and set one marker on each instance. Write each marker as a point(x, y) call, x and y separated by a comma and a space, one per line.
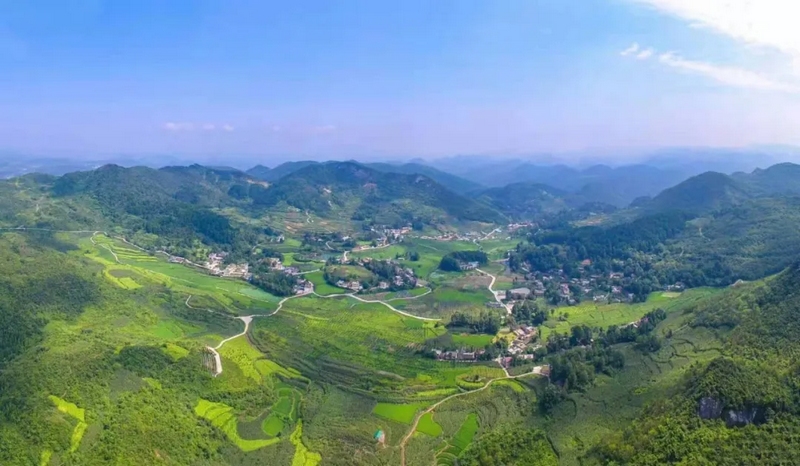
point(428, 426)
point(466, 432)
point(221, 416)
point(474, 341)
point(230, 295)
point(403, 413)
point(322, 287)
point(603, 315)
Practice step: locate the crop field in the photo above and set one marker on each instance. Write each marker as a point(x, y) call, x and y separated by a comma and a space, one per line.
point(361, 346)
point(273, 425)
point(221, 416)
point(302, 455)
point(428, 426)
point(497, 248)
point(473, 341)
point(603, 315)
point(138, 269)
point(239, 352)
point(402, 413)
point(322, 287)
point(350, 272)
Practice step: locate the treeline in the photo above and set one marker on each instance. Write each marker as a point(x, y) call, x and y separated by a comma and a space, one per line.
point(275, 282)
point(485, 322)
point(527, 312)
point(565, 246)
point(453, 261)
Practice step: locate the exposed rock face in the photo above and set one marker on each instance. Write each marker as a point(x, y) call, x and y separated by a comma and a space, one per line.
point(710, 408)
point(742, 417)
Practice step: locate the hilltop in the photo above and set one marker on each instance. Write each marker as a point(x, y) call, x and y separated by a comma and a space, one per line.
point(364, 193)
point(528, 200)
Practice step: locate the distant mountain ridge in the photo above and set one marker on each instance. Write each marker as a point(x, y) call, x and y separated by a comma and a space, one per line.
point(712, 190)
point(364, 192)
point(452, 182)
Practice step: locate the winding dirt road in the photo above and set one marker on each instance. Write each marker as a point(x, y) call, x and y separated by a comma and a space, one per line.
point(491, 284)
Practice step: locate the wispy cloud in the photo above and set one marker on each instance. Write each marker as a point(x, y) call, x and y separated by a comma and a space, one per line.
point(630, 50)
point(174, 126)
point(755, 23)
point(731, 76)
point(227, 127)
point(209, 127)
point(759, 23)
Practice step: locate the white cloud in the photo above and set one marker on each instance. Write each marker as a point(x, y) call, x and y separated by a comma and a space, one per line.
point(762, 23)
point(227, 127)
point(276, 129)
point(630, 50)
point(731, 76)
point(645, 54)
point(209, 127)
point(173, 126)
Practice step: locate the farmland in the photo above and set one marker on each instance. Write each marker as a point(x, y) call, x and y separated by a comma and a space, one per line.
point(317, 379)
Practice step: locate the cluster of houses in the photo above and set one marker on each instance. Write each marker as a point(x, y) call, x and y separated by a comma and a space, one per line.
point(303, 286)
point(600, 288)
point(353, 285)
point(396, 234)
point(458, 355)
point(276, 265)
point(522, 337)
point(403, 277)
point(215, 265)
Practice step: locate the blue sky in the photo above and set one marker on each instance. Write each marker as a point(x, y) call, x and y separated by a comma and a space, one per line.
point(387, 79)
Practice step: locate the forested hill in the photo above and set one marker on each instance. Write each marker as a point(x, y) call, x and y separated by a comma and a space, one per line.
point(274, 174)
point(526, 200)
point(712, 191)
point(702, 193)
point(449, 181)
point(366, 193)
point(742, 406)
point(175, 204)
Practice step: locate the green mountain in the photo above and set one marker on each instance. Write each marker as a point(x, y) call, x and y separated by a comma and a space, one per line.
point(449, 181)
point(780, 179)
point(527, 200)
point(702, 193)
point(362, 193)
point(738, 407)
point(274, 174)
